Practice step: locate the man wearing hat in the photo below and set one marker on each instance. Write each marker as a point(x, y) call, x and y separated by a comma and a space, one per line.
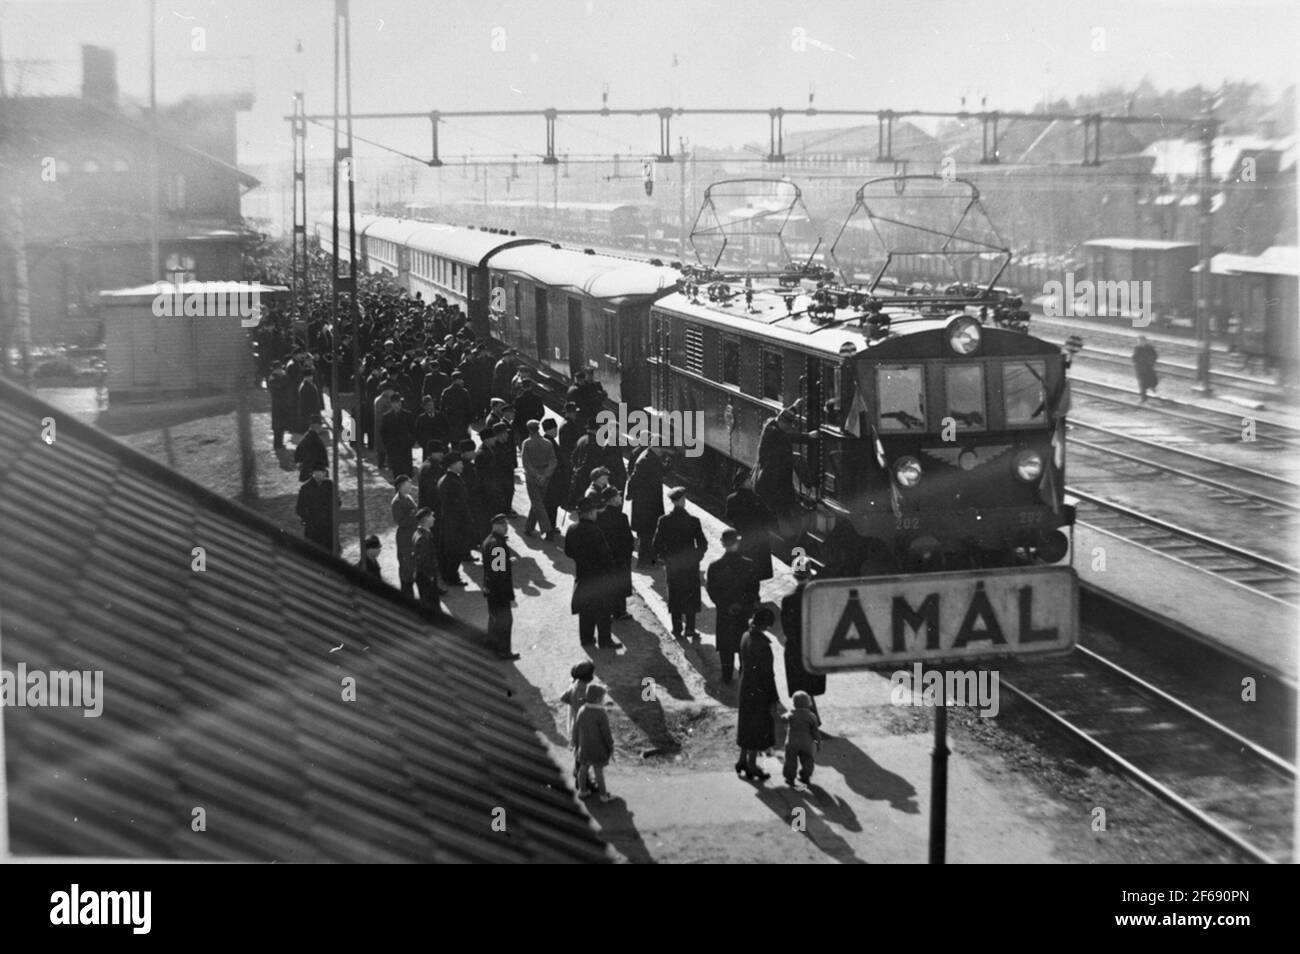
point(732, 582)
point(455, 522)
point(404, 507)
point(585, 458)
point(503, 461)
point(571, 432)
point(557, 488)
point(309, 397)
point(797, 678)
point(383, 404)
point(679, 539)
point(430, 473)
point(280, 389)
point(369, 562)
point(488, 470)
point(431, 425)
point(528, 407)
point(645, 488)
point(593, 565)
point(539, 460)
point(315, 508)
point(311, 451)
point(503, 371)
point(618, 534)
point(499, 587)
point(455, 404)
point(397, 436)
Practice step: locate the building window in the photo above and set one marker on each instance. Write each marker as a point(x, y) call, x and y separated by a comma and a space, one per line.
point(731, 361)
point(180, 268)
point(694, 335)
point(772, 371)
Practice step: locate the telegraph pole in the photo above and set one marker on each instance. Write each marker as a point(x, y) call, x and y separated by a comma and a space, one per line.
point(1209, 129)
point(155, 265)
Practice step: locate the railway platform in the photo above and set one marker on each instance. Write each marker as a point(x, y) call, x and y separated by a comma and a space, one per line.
point(1257, 631)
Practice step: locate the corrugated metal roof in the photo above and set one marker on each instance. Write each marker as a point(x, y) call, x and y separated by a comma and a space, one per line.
point(1277, 260)
point(221, 690)
point(599, 276)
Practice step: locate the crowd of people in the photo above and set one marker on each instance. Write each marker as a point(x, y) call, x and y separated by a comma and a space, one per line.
point(450, 424)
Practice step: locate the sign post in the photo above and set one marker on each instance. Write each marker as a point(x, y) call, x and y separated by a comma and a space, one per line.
point(936, 620)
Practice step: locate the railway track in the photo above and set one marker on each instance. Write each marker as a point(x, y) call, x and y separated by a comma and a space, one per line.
point(1234, 482)
point(1224, 782)
point(1205, 423)
point(1259, 572)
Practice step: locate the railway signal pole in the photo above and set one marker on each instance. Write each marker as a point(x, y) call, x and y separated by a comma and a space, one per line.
point(1209, 128)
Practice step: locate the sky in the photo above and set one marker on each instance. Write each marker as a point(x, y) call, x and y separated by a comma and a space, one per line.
point(419, 55)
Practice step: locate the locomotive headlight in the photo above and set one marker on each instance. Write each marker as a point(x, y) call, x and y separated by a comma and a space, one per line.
point(1029, 466)
point(908, 471)
point(964, 334)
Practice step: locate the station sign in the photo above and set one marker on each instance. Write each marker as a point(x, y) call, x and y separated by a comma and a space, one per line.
point(936, 619)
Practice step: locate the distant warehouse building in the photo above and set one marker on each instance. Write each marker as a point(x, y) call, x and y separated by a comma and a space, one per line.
point(181, 339)
point(1255, 299)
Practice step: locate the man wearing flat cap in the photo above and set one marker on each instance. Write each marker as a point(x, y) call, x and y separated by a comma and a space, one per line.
point(369, 562)
point(679, 539)
point(593, 579)
point(499, 587)
point(732, 581)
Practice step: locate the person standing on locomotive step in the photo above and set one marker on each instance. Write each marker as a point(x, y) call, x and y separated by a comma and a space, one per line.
point(315, 508)
point(593, 563)
point(751, 517)
point(679, 539)
point(733, 587)
point(539, 460)
point(404, 507)
point(774, 470)
point(499, 588)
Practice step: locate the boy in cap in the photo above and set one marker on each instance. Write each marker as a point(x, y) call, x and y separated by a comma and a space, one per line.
point(315, 508)
point(369, 562)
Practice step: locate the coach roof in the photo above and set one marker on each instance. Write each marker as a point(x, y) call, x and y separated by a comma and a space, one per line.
point(598, 276)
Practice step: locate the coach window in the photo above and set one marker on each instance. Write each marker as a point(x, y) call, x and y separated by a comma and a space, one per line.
point(731, 361)
point(1022, 391)
point(772, 371)
point(611, 342)
point(519, 308)
point(900, 393)
point(964, 395)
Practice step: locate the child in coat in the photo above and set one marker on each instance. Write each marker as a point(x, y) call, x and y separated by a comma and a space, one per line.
point(594, 742)
point(576, 695)
point(803, 739)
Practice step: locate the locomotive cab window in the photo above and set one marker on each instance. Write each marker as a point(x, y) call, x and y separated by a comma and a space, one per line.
point(900, 396)
point(963, 386)
point(731, 361)
point(1022, 391)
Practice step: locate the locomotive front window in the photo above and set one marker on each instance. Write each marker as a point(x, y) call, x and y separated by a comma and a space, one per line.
point(964, 392)
point(1022, 391)
point(901, 398)
point(772, 371)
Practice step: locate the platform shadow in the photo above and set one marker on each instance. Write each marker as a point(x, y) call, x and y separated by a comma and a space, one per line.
point(614, 820)
point(820, 810)
point(866, 777)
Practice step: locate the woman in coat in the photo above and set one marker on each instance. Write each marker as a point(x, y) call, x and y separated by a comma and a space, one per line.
point(755, 725)
point(645, 488)
point(750, 516)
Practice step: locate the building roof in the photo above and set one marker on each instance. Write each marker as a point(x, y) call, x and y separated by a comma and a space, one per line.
point(222, 688)
point(1181, 158)
point(144, 293)
point(1277, 260)
point(1134, 244)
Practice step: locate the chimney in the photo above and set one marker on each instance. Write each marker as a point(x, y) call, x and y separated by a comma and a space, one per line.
point(99, 75)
